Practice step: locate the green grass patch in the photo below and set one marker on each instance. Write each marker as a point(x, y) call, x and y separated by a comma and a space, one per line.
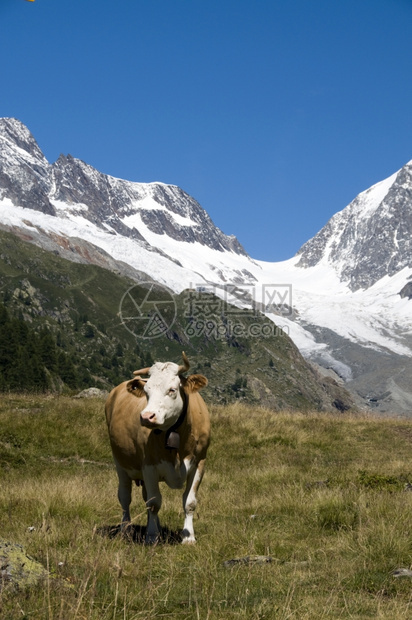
point(325, 497)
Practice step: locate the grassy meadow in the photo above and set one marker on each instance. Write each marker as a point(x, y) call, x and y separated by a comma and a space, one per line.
point(324, 496)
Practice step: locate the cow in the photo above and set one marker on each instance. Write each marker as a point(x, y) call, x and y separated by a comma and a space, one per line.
point(159, 430)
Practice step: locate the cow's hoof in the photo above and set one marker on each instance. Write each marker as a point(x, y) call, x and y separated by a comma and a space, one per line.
point(152, 540)
point(125, 528)
point(188, 537)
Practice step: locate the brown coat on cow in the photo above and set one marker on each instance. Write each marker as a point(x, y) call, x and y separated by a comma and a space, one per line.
point(159, 431)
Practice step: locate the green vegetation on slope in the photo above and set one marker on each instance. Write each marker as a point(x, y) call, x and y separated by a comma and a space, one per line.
point(77, 309)
point(326, 497)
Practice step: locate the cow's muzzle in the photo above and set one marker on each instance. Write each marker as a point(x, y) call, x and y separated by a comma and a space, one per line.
point(148, 419)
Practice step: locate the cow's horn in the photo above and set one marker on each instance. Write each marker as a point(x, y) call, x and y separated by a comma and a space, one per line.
point(142, 371)
point(186, 364)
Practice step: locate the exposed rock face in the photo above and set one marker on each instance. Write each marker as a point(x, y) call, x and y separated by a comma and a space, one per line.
point(24, 171)
point(406, 291)
point(116, 205)
point(371, 237)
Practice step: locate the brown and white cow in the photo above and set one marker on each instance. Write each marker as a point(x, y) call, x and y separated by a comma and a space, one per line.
point(159, 431)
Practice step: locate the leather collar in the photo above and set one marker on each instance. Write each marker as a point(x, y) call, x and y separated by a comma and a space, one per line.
point(172, 439)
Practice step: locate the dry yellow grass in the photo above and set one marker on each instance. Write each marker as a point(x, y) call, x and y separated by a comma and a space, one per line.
point(323, 496)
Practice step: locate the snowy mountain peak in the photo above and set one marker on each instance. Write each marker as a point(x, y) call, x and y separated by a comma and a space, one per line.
point(71, 187)
point(371, 237)
point(17, 135)
point(24, 169)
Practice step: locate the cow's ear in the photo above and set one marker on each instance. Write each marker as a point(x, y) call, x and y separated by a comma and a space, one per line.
point(135, 387)
point(193, 383)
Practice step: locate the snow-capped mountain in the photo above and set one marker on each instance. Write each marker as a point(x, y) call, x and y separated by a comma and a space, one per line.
point(371, 237)
point(344, 298)
point(131, 221)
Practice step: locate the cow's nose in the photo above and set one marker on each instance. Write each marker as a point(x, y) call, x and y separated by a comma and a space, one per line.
point(148, 416)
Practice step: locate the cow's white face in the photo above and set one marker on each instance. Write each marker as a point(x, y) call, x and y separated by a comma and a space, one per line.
point(164, 398)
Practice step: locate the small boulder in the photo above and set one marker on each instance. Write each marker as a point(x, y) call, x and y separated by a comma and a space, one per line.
point(92, 393)
point(17, 568)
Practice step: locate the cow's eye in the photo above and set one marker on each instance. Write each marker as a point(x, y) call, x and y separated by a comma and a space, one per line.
point(172, 391)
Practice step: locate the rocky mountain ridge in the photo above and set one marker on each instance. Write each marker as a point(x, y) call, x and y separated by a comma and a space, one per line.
point(371, 237)
point(28, 180)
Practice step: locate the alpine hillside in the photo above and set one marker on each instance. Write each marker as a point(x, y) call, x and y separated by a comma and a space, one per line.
point(344, 298)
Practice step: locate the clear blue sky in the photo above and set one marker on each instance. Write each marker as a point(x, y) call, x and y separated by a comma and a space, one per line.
point(272, 114)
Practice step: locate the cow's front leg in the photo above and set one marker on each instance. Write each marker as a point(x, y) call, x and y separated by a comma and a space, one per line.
point(124, 494)
point(194, 478)
point(153, 500)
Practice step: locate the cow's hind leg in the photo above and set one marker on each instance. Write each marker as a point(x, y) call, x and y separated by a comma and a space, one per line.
point(124, 494)
point(194, 479)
